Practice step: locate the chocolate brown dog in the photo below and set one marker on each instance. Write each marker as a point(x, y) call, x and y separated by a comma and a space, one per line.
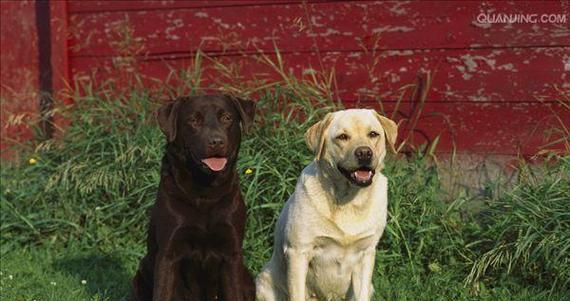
point(197, 223)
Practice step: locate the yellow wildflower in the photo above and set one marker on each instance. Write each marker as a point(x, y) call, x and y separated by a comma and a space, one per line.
point(248, 171)
point(32, 161)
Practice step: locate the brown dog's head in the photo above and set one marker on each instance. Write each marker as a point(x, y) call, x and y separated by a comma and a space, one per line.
point(206, 130)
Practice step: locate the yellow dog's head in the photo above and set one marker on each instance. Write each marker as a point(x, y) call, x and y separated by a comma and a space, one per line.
point(353, 142)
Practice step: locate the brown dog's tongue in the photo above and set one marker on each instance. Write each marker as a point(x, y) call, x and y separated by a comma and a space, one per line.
point(215, 164)
point(363, 175)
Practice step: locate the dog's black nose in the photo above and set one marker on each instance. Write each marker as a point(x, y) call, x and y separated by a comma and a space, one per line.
point(216, 142)
point(363, 154)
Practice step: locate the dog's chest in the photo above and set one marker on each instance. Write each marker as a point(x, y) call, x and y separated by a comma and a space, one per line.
point(339, 249)
point(343, 247)
point(333, 262)
point(202, 238)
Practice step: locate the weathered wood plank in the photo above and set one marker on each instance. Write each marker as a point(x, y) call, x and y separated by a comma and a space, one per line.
point(484, 75)
point(336, 26)
point(19, 72)
point(480, 127)
point(59, 48)
point(82, 6)
point(498, 128)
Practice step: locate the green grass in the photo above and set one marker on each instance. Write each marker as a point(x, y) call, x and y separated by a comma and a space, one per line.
point(80, 212)
point(50, 273)
point(526, 231)
point(71, 273)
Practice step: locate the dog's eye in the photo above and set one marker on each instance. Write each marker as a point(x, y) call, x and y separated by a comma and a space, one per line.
point(195, 120)
point(343, 137)
point(373, 134)
point(226, 117)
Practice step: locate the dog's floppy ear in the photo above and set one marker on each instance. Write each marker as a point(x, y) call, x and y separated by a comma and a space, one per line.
point(315, 136)
point(167, 118)
point(246, 109)
point(391, 130)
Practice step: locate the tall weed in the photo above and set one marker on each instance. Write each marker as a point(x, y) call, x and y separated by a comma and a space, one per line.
point(526, 232)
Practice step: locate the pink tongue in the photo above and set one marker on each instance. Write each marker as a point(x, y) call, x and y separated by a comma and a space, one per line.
point(363, 175)
point(215, 164)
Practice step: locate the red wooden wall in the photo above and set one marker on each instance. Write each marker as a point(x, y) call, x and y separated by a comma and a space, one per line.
point(496, 88)
point(18, 68)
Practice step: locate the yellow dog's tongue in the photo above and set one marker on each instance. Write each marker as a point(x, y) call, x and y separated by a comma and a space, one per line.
point(363, 175)
point(215, 164)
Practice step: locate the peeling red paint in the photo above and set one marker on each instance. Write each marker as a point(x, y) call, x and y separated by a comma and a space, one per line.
point(491, 77)
point(346, 26)
point(498, 128)
point(18, 70)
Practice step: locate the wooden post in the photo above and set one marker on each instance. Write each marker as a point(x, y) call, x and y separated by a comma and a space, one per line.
point(45, 68)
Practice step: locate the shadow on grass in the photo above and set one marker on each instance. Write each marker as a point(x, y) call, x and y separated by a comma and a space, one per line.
point(105, 274)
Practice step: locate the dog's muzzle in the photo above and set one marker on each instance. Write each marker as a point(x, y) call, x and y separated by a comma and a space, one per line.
point(361, 176)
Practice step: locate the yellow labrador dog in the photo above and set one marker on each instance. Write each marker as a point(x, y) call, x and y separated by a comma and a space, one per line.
point(326, 236)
